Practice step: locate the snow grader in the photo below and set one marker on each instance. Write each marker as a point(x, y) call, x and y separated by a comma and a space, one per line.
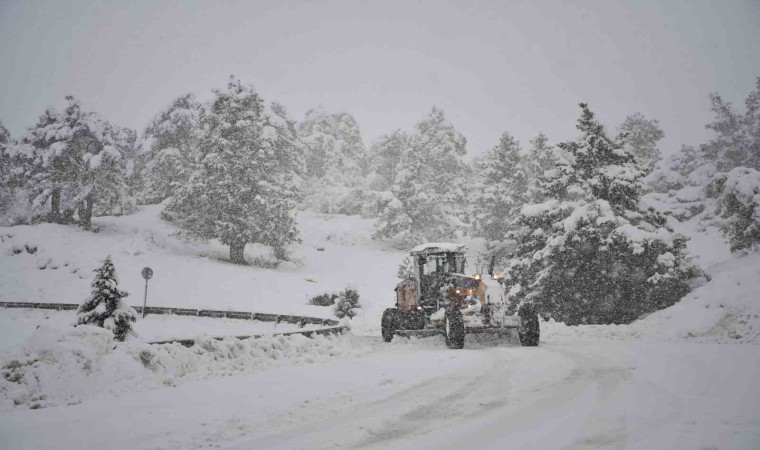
point(441, 299)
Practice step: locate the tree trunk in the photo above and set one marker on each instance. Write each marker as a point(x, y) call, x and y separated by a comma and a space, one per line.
point(85, 212)
point(55, 206)
point(237, 253)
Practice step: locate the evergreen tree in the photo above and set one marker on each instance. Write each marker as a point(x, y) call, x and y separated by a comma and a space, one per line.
point(5, 137)
point(640, 136)
point(587, 254)
point(427, 202)
point(502, 191)
point(171, 149)
point(69, 148)
point(739, 207)
point(239, 193)
point(335, 161)
point(540, 158)
point(385, 157)
point(105, 307)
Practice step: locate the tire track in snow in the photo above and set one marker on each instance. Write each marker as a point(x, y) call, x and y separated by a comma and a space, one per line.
point(506, 380)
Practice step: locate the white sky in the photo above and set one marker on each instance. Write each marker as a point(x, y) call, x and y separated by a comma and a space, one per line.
point(493, 66)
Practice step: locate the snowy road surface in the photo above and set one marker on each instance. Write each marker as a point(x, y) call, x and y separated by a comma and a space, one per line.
point(584, 395)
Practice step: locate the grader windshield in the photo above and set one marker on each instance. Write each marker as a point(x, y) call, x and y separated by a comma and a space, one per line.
point(444, 263)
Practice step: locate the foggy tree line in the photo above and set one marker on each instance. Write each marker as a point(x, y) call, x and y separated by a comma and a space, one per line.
point(238, 168)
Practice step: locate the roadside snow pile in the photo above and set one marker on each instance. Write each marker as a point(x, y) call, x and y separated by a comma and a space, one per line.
point(65, 366)
point(723, 310)
point(57, 367)
point(726, 309)
point(213, 358)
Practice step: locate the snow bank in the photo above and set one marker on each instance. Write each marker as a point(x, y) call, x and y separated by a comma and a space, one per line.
point(213, 358)
point(55, 367)
point(66, 366)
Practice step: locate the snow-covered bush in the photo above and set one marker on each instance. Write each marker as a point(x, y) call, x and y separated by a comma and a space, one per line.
point(588, 254)
point(323, 299)
point(105, 306)
point(347, 303)
point(739, 207)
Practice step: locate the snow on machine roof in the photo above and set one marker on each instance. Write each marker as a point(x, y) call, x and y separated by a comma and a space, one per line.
point(439, 247)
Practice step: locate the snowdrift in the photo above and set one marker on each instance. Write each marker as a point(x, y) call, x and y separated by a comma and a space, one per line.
point(65, 366)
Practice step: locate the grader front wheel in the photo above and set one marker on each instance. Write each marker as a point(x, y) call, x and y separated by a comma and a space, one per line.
point(528, 330)
point(454, 329)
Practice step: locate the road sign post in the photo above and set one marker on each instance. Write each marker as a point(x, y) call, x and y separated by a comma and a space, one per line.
point(147, 273)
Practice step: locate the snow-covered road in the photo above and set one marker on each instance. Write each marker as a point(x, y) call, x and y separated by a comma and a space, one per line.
point(418, 394)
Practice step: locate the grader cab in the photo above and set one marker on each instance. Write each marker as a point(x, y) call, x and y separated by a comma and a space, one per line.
point(440, 298)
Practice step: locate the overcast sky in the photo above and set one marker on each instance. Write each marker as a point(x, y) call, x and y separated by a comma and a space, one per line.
point(493, 66)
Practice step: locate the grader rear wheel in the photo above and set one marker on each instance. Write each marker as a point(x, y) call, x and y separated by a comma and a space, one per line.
point(389, 324)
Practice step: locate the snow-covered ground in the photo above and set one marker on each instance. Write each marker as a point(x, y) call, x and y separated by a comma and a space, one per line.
point(685, 377)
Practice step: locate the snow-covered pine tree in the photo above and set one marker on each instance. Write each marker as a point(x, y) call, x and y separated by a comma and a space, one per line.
point(739, 207)
point(540, 158)
point(104, 186)
point(5, 139)
point(291, 167)
point(385, 158)
point(126, 143)
point(68, 148)
point(335, 161)
point(16, 168)
point(587, 254)
point(239, 193)
point(105, 307)
point(640, 136)
point(7, 165)
point(501, 193)
point(170, 150)
point(427, 200)
point(737, 136)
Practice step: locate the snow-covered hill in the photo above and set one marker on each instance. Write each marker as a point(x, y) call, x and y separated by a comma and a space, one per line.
point(336, 252)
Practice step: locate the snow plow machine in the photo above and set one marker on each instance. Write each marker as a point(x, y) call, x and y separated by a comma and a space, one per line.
point(440, 299)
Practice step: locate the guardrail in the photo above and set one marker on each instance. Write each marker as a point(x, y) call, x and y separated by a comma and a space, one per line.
point(331, 326)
